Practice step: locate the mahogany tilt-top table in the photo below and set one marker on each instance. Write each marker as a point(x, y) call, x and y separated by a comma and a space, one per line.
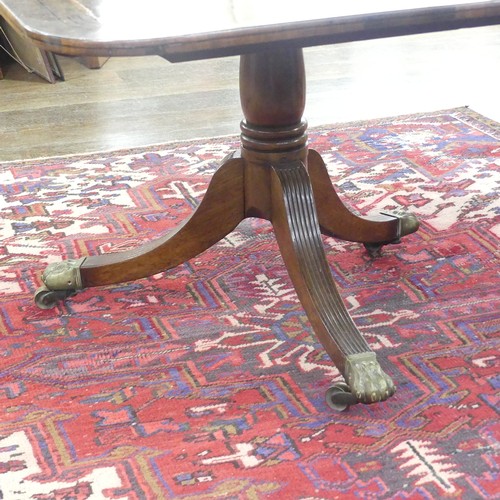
point(274, 175)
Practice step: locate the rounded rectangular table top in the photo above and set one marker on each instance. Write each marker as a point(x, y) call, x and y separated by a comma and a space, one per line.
point(196, 29)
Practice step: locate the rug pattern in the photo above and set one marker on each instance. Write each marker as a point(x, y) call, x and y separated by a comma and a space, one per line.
point(206, 381)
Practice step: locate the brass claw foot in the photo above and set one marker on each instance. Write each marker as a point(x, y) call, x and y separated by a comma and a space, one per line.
point(61, 280)
point(367, 382)
point(407, 224)
point(63, 275)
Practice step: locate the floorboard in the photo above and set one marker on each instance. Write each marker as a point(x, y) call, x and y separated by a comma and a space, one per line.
point(147, 100)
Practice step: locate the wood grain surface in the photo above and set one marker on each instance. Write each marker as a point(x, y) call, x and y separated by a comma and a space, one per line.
point(197, 29)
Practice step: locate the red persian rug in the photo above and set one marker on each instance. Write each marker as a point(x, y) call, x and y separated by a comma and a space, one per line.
point(206, 381)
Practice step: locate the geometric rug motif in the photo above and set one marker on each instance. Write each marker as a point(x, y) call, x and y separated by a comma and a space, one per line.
point(207, 381)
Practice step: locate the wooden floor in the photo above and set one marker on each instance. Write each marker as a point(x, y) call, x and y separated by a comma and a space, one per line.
point(141, 101)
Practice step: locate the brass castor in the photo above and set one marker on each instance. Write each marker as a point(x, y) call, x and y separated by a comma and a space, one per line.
point(407, 224)
point(339, 397)
point(47, 299)
point(60, 281)
point(374, 249)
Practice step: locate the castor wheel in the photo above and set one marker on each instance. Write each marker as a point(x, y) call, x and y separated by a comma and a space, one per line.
point(47, 299)
point(339, 397)
point(374, 249)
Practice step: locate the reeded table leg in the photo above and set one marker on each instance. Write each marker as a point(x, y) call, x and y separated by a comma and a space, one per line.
point(297, 231)
point(223, 202)
point(278, 188)
point(335, 219)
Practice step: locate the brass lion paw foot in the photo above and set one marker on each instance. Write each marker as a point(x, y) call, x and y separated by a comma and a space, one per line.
point(366, 380)
point(61, 280)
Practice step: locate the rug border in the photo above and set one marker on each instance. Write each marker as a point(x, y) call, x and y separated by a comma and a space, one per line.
point(471, 117)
